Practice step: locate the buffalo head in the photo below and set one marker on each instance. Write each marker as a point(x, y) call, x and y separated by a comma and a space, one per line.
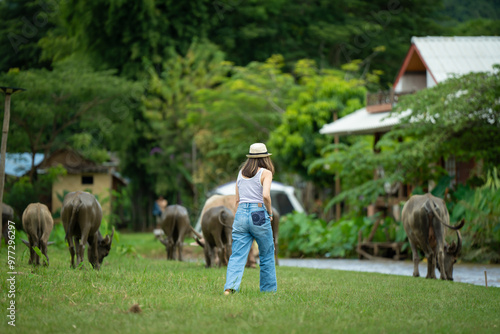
point(103, 249)
point(450, 258)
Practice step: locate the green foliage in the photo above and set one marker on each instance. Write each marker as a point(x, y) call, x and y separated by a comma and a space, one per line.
point(72, 104)
point(43, 258)
point(19, 193)
point(297, 141)
point(459, 117)
point(244, 109)
point(169, 96)
point(122, 34)
point(22, 24)
point(121, 211)
point(480, 208)
point(305, 235)
point(58, 237)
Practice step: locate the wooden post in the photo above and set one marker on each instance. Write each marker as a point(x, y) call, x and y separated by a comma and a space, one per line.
point(337, 179)
point(3, 149)
point(5, 133)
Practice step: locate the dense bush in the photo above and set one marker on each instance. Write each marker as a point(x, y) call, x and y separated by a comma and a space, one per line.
point(306, 235)
point(480, 208)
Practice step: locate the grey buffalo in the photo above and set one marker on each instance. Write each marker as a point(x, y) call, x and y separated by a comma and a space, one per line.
point(81, 216)
point(425, 218)
point(176, 226)
point(217, 225)
point(38, 224)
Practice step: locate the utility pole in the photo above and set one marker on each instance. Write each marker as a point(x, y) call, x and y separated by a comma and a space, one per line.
point(5, 133)
point(337, 179)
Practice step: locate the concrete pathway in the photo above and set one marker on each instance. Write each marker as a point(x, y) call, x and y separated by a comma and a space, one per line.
point(465, 273)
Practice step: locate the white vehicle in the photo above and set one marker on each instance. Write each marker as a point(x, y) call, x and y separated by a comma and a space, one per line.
point(282, 196)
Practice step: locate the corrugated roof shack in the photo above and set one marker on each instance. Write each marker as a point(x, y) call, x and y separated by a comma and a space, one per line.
point(429, 61)
point(86, 175)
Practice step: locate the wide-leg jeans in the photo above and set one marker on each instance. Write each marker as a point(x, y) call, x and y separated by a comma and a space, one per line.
point(252, 222)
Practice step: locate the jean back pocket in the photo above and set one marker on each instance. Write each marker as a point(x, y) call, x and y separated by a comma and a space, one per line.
point(258, 218)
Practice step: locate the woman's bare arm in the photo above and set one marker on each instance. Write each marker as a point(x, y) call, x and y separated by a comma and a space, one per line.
point(267, 178)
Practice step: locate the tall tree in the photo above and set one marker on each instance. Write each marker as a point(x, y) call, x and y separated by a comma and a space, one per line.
point(71, 105)
point(168, 97)
point(245, 108)
point(22, 24)
point(119, 34)
point(297, 141)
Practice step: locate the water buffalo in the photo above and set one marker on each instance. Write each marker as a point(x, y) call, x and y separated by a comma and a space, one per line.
point(217, 225)
point(38, 224)
point(81, 216)
point(176, 226)
point(424, 219)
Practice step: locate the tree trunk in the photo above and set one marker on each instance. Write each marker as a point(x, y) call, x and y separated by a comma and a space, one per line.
point(5, 134)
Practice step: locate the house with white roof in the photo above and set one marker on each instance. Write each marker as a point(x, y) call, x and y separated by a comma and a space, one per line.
point(429, 61)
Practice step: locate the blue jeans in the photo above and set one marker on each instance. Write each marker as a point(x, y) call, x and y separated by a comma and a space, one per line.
point(252, 222)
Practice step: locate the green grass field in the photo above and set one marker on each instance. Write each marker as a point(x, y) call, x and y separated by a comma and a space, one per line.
point(175, 297)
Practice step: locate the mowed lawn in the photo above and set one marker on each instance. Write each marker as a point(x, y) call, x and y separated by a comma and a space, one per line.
point(145, 293)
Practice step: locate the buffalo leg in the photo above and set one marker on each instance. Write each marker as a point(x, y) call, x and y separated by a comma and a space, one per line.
point(178, 246)
point(219, 250)
point(416, 259)
point(71, 246)
point(440, 258)
point(208, 255)
point(431, 264)
point(94, 249)
point(229, 244)
point(170, 249)
point(43, 246)
point(276, 251)
point(32, 251)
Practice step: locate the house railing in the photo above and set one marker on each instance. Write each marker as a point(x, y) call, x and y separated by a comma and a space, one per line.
point(383, 97)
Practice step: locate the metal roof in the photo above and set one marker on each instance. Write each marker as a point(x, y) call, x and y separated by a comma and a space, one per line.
point(362, 122)
point(446, 56)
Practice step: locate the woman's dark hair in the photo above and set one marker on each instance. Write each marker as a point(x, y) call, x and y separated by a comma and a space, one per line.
point(251, 166)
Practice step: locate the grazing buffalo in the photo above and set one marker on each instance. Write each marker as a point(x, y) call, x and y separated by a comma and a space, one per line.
point(424, 219)
point(38, 224)
point(81, 216)
point(176, 226)
point(217, 225)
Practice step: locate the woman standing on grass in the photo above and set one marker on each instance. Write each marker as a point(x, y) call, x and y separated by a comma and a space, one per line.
point(253, 221)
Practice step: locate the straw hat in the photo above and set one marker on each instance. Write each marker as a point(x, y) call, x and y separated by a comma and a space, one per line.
point(258, 150)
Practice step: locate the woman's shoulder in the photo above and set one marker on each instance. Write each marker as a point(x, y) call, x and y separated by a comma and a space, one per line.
point(266, 172)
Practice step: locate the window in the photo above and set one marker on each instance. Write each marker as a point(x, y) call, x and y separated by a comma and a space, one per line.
point(87, 179)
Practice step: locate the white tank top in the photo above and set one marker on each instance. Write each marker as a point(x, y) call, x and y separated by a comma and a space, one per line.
point(250, 190)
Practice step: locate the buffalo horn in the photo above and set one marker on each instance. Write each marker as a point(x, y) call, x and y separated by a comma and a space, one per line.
point(26, 243)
